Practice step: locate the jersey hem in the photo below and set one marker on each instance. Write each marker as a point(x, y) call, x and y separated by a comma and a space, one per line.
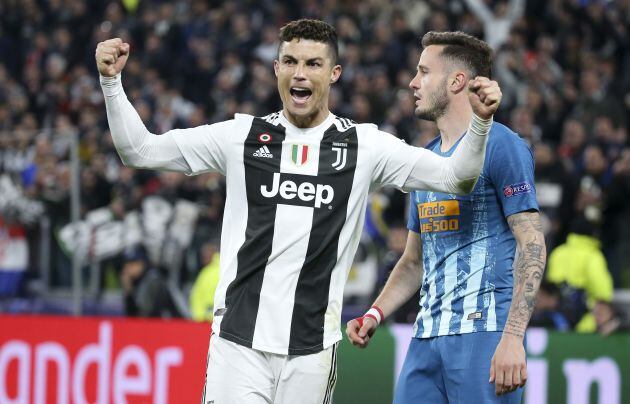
point(275, 350)
point(446, 333)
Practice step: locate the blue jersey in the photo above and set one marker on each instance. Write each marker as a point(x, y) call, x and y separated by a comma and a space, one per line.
point(468, 247)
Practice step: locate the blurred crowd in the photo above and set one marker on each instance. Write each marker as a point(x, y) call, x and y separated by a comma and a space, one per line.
point(563, 65)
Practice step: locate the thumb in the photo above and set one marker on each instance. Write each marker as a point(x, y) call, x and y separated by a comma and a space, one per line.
point(492, 374)
point(368, 325)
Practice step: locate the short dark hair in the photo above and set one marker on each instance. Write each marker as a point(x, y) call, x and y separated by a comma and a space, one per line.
point(314, 30)
point(474, 53)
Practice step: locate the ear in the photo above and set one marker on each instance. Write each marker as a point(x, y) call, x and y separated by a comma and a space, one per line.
point(335, 74)
point(276, 67)
point(457, 81)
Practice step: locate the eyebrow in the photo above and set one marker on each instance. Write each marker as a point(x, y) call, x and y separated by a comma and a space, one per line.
point(311, 60)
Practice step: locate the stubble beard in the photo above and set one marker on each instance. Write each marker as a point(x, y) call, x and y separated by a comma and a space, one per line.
point(438, 104)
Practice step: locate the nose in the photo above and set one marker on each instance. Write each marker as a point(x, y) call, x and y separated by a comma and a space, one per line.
point(299, 71)
point(414, 84)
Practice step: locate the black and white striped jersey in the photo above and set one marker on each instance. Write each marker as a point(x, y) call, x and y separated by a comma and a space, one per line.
point(294, 211)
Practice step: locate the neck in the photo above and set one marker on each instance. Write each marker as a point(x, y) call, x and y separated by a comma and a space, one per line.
point(454, 123)
point(308, 121)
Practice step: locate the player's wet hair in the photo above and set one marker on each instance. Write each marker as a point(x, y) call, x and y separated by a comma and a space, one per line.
point(315, 30)
point(460, 47)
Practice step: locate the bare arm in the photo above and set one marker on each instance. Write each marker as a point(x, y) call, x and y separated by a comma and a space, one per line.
point(481, 11)
point(403, 282)
point(529, 265)
point(405, 278)
point(508, 369)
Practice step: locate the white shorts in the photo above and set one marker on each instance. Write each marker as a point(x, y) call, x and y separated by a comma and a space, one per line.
point(239, 375)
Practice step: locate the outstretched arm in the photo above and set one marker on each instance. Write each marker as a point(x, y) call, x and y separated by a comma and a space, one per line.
point(136, 146)
point(459, 173)
point(403, 282)
point(508, 368)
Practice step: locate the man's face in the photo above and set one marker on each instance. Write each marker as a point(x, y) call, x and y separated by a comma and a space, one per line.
point(305, 71)
point(429, 84)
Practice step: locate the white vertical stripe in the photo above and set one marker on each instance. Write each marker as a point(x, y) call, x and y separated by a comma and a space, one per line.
point(232, 235)
point(477, 265)
point(291, 233)
point(429, 298)
point(427, 318)
point(450, 281)
point(492, 315)
point(349, 238)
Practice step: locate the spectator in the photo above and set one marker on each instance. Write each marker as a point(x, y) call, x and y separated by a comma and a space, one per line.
point(580, 268)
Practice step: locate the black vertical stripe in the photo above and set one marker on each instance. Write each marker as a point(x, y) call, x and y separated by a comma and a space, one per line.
point(332, 376)
point(243, 294)
point(311, 295)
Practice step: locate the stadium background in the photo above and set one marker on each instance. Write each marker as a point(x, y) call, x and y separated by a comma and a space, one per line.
point(136, 241)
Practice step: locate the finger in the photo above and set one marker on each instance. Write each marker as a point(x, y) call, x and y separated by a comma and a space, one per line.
point(507, 380)
point(366, 327)
point(516, 377)
point(498, 384)
point(492, 374)
point(108, 59)
point(523, 375)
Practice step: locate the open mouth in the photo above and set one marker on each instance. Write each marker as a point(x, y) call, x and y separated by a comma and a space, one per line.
point(300, 94)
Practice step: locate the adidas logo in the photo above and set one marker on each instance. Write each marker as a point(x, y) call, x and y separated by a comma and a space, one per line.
point(263, 152)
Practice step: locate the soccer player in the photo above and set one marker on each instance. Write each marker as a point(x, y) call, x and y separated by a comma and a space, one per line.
point(297, 185)
point(482, 255)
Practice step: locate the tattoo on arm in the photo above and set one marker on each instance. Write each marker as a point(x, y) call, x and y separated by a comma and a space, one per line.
point(529, 265)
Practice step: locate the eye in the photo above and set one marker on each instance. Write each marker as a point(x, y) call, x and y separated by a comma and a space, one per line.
point(289, 61)
point(315, 64)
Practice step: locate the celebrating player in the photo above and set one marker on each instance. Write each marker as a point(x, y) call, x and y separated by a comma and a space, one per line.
point(483, 254)
point(297, 185)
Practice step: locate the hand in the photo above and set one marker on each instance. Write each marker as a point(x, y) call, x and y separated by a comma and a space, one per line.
point(484, 96)
point(508, 369)
point(360, 330)
point(111, 56)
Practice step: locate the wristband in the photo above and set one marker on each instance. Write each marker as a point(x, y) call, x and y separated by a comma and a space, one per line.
point(375, 313)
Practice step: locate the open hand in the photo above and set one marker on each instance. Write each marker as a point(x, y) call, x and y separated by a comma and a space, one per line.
point(508, 369)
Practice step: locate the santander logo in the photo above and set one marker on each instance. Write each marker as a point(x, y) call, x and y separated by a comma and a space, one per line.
point(101, 371)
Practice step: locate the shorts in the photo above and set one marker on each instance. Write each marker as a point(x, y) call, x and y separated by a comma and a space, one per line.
point(236, 374)
point(451, 369)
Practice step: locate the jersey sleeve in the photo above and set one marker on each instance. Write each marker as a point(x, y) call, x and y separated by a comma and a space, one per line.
point(511, 170)
point(413, 222)
point(394, 159)
point(205, 148)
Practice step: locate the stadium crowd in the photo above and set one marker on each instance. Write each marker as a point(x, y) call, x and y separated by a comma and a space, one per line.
point(563, 65)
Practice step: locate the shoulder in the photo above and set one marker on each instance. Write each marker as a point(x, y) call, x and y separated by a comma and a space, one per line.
point(501, 135)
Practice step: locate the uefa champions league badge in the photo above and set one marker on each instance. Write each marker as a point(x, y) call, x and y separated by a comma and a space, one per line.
point(516, 189)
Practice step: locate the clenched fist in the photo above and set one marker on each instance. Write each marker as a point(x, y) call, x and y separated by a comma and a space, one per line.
point(484, 96)
point(111, 56)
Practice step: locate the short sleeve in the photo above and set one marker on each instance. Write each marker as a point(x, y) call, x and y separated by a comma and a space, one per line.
point(394, 159)
point(512, 173)
point(413, 223)
point(205, 148)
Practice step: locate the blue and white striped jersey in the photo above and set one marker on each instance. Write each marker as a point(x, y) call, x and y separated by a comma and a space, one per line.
point(468, 248)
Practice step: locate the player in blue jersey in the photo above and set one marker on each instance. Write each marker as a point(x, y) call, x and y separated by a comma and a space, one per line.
point(478, 259)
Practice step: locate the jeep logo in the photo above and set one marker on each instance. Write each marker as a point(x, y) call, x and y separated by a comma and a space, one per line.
point(306, 191)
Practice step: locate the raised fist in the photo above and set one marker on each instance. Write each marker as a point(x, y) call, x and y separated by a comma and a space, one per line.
point(484, 96)
point(111, 56)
